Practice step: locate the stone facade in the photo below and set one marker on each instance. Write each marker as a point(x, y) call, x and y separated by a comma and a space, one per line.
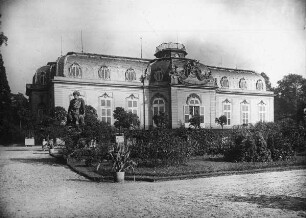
point(171, 83)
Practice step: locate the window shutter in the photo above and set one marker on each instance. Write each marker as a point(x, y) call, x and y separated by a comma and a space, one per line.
point(202, 114)
point(186, 113)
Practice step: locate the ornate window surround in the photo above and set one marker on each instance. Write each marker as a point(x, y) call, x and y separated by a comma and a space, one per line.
point(262, 111)
point(227, 111)
point(106, 108)
point(130, 74)
point(132, 104)
point(193, 106)
point(245, 112)
point(104, 73)
point(224, 82)
point(243, 83)
point(75, 70)
point(259, 85)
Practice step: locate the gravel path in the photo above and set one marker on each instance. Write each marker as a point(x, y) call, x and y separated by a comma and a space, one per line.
point(33, 184)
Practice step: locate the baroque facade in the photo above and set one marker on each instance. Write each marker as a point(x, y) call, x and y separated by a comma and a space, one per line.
point(170, 83)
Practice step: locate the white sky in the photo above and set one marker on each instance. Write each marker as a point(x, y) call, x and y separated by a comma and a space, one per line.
point(262, 35)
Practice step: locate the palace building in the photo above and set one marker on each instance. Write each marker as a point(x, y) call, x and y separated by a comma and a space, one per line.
point(170, 83)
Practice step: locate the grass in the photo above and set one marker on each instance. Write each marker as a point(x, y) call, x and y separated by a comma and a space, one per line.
point(195, 167)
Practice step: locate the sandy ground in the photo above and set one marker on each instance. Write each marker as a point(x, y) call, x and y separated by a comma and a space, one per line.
point(33, 184)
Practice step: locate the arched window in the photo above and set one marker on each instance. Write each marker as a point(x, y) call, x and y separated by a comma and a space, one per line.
point(245, 112)
point(75, 71)
point(158, 75)
point(259, 85)
point(242, 84)
point(227, 111)
point(104, 73)
point(130, 74)
point(262, 111)
point(193, 108)
point(43, 78)
point(158, 106)
point(224, 82)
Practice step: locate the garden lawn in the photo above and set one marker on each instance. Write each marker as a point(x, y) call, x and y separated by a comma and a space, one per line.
point(195, 167)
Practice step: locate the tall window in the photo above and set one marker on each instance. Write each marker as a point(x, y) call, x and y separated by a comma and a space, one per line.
point(227, 111)
point(245, 112)
point(262, 111)
point(43, 78)
point(193, 108)
point(75, 71)
point(106, 110)
point(158, 106)
point(132, 104)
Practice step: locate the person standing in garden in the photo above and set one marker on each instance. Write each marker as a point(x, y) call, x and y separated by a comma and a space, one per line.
point(76, 110)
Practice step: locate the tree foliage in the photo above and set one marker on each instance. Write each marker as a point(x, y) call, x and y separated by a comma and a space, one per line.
point(267, 81)
point(124, 119)
point(161, 120)
point(195, 121)
point(221, 120)
point(290, 97)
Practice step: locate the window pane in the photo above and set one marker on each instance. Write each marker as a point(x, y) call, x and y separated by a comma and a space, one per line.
point(186, 118)
point(202, 118)
point(129, 103)
point(191, 101)
point(191, 110)
point(102, 102)
point(134, 103)
point(155, 102)
point(196, 110)
point(155, 110)
point(161, 102)
point(103, 112)
point(162, 109)
point(108, 103)
point(108, 119)
point(104, 119)
point(196, 101)
point(108, 112)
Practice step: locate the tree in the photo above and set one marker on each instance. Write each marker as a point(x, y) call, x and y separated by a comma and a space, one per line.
point(125, 120)
point(267, 81)
point(195, 121)
point(290, 97)
point(161, 120)
point(6, 127)
point(222, 120)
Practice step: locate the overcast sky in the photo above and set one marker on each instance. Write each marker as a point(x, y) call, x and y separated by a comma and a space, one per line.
point(262, 35)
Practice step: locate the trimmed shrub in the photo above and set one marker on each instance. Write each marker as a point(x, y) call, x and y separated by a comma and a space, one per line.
point(248, 146)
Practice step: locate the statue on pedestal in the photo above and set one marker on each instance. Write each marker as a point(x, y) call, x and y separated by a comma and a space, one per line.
point(76, 110)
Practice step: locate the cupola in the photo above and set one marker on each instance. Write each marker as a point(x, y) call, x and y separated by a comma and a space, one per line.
point(173, 50)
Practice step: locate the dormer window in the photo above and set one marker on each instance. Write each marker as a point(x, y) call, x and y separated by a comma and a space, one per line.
point(158, 75)
point(259, 85)
point(130, 74)
point(75, 71)
point(224, 82)
point(242, 84)
point(104, 73)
